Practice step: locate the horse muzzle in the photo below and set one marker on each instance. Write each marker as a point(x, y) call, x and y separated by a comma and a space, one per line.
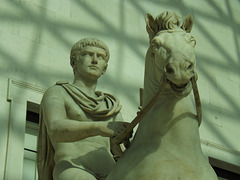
point(182, 90)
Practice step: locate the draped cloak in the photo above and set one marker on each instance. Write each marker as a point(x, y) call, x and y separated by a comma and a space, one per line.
point(102, 107)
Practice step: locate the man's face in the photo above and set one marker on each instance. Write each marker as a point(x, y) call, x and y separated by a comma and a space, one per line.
point(90, 62)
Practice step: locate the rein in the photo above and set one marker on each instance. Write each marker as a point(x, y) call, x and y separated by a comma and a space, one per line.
point(197, 100)
point(119, 139)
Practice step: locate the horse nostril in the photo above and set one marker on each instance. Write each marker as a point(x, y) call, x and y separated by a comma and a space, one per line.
point(169, 69)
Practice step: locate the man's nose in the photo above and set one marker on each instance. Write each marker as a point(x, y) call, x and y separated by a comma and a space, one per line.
point(94, 58)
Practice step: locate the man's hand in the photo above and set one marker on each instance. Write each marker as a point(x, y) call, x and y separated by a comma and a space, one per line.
point(111, 129)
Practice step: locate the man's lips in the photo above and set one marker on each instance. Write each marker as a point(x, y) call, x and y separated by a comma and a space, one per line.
point(94, 67)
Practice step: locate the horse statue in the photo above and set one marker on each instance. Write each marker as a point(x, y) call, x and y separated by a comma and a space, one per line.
point(166, 145)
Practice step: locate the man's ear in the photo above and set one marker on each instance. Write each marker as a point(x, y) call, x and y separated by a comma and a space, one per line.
point(72, 62)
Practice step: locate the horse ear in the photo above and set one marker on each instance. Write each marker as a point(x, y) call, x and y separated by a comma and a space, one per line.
point(151, 26)
point(187, 23)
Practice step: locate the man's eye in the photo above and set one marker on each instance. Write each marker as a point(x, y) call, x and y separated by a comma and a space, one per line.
point(84, 53)
point(100, 56)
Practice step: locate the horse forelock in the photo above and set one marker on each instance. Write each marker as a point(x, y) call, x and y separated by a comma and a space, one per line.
point(168, 20)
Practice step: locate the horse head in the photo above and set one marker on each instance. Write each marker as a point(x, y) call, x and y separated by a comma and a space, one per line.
point(171, 51)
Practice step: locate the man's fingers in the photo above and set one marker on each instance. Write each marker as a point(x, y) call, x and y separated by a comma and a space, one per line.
point(126, 143)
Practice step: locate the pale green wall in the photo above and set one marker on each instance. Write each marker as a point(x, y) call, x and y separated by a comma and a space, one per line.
point(36, 37)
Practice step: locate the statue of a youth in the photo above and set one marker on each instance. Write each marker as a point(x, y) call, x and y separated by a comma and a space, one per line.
point(76, 121)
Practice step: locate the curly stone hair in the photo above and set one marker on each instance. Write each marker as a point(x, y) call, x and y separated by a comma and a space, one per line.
point(77, 47)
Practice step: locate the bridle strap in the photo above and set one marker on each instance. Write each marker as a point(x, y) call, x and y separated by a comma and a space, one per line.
point(119, 139)
point(197, 100)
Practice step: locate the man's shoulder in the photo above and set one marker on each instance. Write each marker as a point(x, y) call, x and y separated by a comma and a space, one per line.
point(56, 89)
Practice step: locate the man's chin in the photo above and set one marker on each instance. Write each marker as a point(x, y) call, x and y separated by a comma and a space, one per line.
point(94, 75)
point(91, 75)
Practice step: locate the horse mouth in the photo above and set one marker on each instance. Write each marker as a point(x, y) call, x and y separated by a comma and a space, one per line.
point(182, 89)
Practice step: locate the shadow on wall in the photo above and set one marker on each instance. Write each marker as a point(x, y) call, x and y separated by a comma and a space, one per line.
point(44, 23)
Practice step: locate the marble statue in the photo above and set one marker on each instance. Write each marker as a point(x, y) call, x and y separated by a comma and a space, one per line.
point(76, 121)
point(167, 145)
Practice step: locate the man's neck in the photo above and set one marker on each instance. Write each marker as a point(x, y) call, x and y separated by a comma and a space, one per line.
point(87, 87)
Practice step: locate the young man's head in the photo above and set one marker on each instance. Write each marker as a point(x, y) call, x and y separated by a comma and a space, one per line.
point(77, 47)
point(89, 56)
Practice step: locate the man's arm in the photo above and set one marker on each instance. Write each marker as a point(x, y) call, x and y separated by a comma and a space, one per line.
point(62, 129)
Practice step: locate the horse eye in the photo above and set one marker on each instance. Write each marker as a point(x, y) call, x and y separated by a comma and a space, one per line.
point(169, 69)
point(190, 67)
point(154, 47)
point(152, 54)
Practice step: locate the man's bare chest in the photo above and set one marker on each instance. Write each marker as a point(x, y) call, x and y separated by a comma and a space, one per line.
point(74, 111)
